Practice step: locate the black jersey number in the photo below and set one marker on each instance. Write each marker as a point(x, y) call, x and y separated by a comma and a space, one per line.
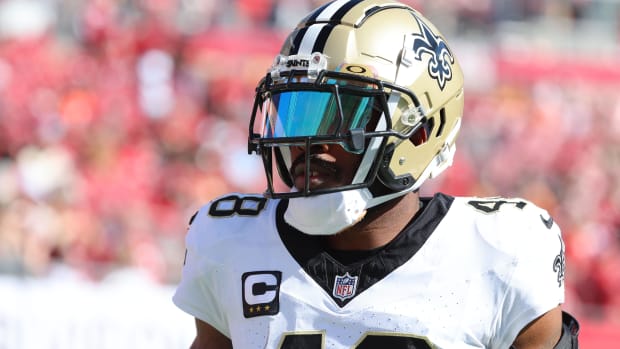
point(315, 340)
point(233, 204)
point(493, 205)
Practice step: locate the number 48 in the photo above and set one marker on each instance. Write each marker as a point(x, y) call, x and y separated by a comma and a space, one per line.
point(493, 205)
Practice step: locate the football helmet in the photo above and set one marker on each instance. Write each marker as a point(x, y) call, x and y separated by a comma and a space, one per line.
point(373, 76)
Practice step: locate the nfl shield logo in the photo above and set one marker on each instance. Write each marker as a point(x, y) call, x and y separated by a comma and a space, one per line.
point(345, 286)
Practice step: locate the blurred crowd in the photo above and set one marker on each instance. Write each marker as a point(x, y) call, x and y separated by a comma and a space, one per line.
point(118, 119)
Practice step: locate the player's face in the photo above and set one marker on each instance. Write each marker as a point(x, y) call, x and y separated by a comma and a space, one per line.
point(330, 166)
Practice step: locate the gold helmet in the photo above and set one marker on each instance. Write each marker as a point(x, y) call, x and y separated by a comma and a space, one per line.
point(374, 76)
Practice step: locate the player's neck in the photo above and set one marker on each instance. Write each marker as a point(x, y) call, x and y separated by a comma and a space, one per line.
point(380, 226)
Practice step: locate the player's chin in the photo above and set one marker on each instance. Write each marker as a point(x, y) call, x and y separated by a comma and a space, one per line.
point(315, 183)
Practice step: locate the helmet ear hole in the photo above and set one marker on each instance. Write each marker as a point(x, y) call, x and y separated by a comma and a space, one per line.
point(442, 122)
point(420, 136)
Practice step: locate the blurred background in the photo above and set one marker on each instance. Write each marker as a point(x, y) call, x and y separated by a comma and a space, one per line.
point(118, 119)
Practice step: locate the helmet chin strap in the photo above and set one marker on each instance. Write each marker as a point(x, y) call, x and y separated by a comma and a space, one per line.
point(327, 214)
point(376, 201)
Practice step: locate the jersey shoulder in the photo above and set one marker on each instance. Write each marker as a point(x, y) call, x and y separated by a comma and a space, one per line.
point(217, 234)
point(229, 218)
point(517, 212)
point(507, 222)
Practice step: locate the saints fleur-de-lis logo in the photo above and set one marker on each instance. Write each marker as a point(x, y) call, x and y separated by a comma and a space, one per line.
point(440, 57)
point(559, 264)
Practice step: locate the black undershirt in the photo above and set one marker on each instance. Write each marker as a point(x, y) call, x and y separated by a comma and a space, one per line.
point(348, 257)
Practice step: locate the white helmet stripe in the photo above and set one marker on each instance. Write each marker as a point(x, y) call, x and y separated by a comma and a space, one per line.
point(320, 26)
point(328, 12)
point(310, 39)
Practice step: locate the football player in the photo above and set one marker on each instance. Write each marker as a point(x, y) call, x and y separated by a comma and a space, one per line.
point(361, 106)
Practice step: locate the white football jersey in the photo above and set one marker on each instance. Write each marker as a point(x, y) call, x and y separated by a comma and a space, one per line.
point(465, 273)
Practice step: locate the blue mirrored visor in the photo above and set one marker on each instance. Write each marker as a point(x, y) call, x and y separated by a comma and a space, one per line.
point(304, 113)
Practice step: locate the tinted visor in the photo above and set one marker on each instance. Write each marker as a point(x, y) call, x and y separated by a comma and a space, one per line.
point(315, 113)
point(328, 112)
